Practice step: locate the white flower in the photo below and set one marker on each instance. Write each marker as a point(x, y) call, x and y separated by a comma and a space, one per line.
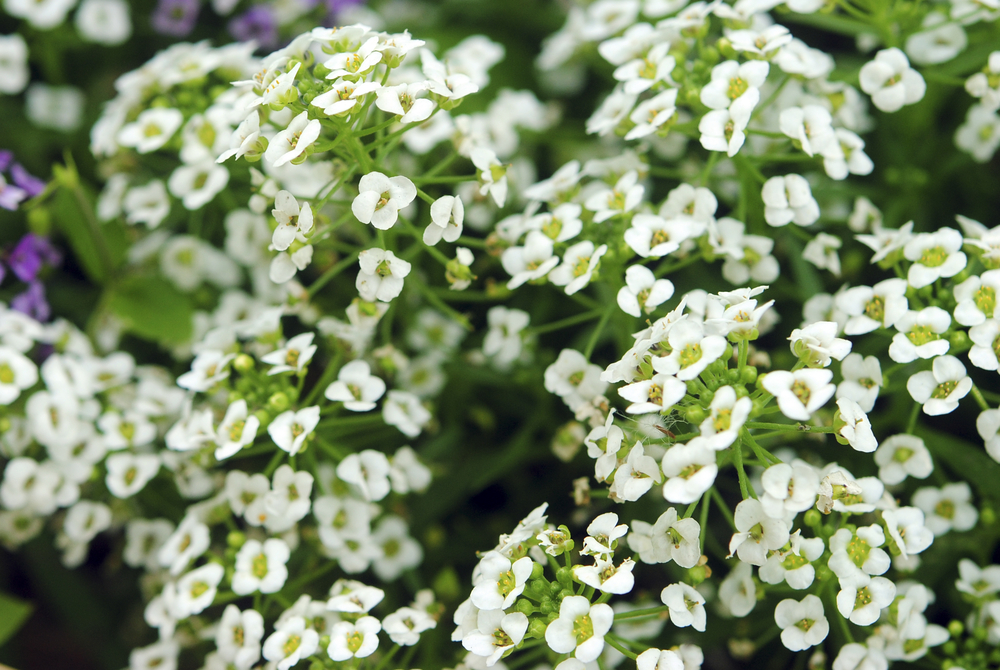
point(919, 335)
point(803, 623)
point(789, 199)
point(290, 429)
point(402, 101)
point(788, 488)
point(946, 508)
point(687, 606)
point(650, 116)
point(148, 204)
point(641, 74)
point(658, 394)
point(129, 473)
point(356, 387)
point(856, 556)
point(621, 199)
point(934, 255)
point(500, 581)
point(580, 628)
point(857, 429)
point(239, 635)
point(404, 411)
point(207, 369)
point(977, 298)
point(940, 42)
point(405, 625)
point(578, 266)
point(574, 379)
point(757, 533)
point(369, 471)
point(380, 198)
point(817, 343)
point(530, 262)
point(795, 565)
point(800, 393)
point(854, 656)
point(643, 292)
point(504, 339)
point(495, 633)
point(984, 338)
point(878, 306)
point(447, 216)
point(288, 501)
point(811, 126)
point(737, 592)
point(14, 73)
point(237, 430)
point(245, 140)
point(56, 107)
point(676, 539)
point(690, 470)
point(722, 129)
point(863, 602)
point(656, 659)
point(381, 275)
point(196, 590)
point(261, 567)
point(151, 130)
point(636, 476)
point(293, 357)
point(602, 535)
point(891, 82)
point(345, 97)
point(988, 427)
point(903, 455)
point(492, 174)
point(940, 388)
point(731, 81)
point(985, 85)
point(17, 373)
point(653, 236)
point(727, 414)
point(291, 642)
point(606, 577)
point(289, 145)
point(906, 528)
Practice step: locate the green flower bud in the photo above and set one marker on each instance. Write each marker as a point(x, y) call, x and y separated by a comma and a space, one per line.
point(236, 539)
point(278, 402)
point(694, 415)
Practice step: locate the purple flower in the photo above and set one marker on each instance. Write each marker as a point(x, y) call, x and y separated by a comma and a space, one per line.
point(32, 185)
point(28, 256)
point(5, 158)
point(32, 302)
point(258, 24)
point(10, 195)
point(175, 17)
point(334, 6)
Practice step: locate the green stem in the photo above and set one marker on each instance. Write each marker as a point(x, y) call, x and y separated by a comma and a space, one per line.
point(746, 489)
point(565, 323)
point(717, 497)
point(980, 400)
point(610, 639)
point(337, 268)
point(595, 336)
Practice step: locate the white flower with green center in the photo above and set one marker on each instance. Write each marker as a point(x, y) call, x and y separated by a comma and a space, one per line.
point(788, 199)
point(653, 236)
point(863, 602)
point(692, 351)
point(985, 84)
point(505, 338)
point(846, 155)
point(447, 217)
point(356, 387)
point(723, 129)
point(290, 145)
point(656, 659)
point(239, 635)
point(920, 335)
point(934, 255)
point(946, 508)
point(14, 73)
point(495, 634)
point(655, 115)
point(817, 343)
point(986, 345)
point(636, 476)
point(856, 428)
point(196, 590)
point(856, 556)
point(658, 394)
point(734, 83)
point(811, 127)
point(624, 197)
point(574, 379)
point(869, 308)
point(261, 567)
point(941, 388)
point(738, 592)
point(129, 473)
point(687, 606)
point(290, 429)
point(756, 533)
point(906, 528)
point(727, 414)
point(17, 373)
point(291, 642)
point(381, 275)
point(793, 562)
point(789, 488)
point(151, 130)
point(580, 628)
point(977, 298)
point(492, 174)
point(606, 577)
point(891, 82)
point(380, 198)
point(800, 393)
point(642, 74)
point(802, 622)
point(578, 266)
point(344, 97)
point(643, 292)
point(674, 539)
point(501, 581)
point(237, 430)
point(602, 533)
point(690, 470)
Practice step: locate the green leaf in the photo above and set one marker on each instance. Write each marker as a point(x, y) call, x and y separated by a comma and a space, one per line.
point(152, 308)
point(13, 613)
point(67, 214)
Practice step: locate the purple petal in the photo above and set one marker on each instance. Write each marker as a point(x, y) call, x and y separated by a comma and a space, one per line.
point(32, 185)
point(32, 302)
